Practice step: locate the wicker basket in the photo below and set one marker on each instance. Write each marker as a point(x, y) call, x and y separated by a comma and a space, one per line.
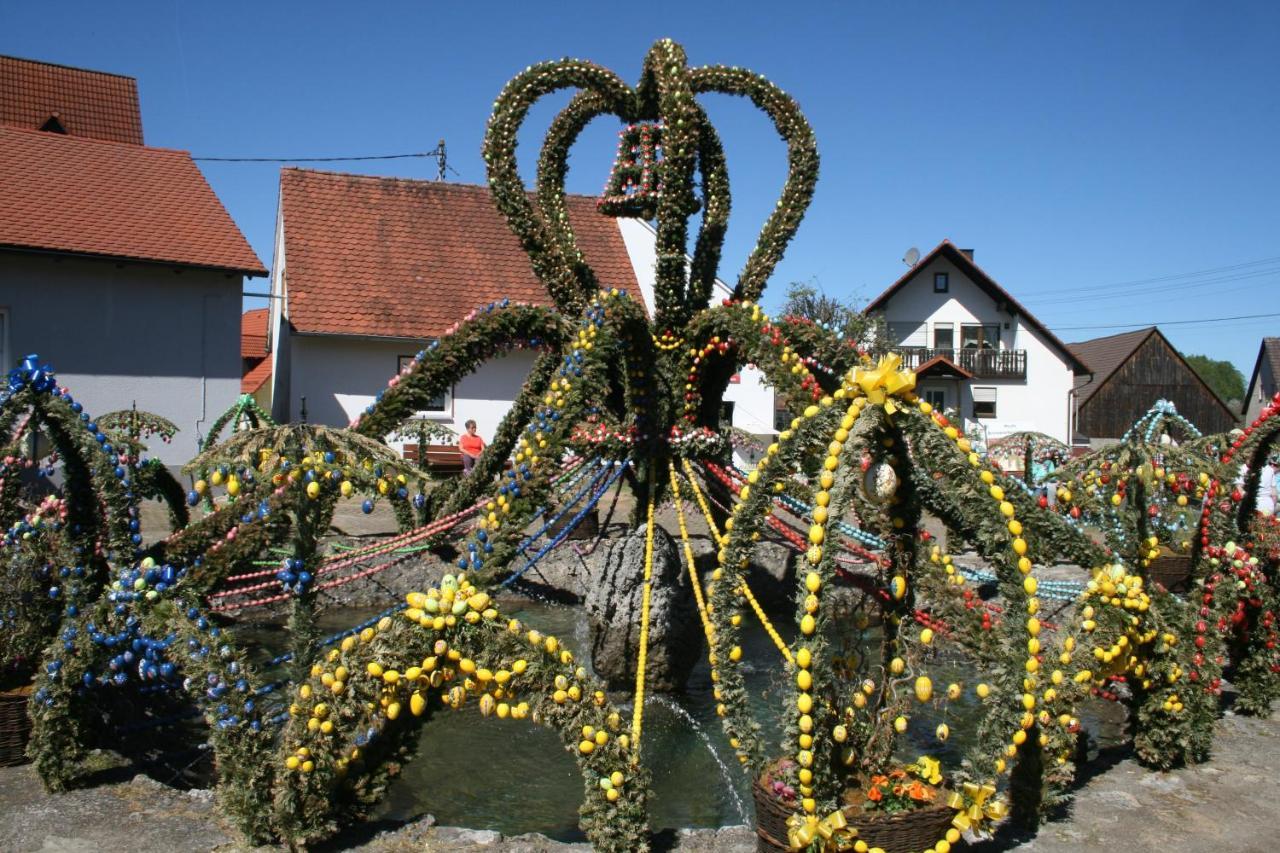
point(904, 832)
point(15, 726)
point(1172, 571)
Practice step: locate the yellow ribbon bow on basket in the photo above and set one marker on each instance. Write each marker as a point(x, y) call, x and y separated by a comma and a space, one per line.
point(975, 808)
point(833, 831)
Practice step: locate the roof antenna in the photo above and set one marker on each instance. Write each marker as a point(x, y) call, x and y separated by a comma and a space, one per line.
point(442, 160)
point(912, 257)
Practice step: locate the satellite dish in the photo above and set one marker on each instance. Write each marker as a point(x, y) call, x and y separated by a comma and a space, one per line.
point(912, 257)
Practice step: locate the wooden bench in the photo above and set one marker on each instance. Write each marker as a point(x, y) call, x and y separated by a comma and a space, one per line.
point(445, 459)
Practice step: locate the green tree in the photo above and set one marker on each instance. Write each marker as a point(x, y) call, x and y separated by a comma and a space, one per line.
point(807, 300)
point(1221, 376)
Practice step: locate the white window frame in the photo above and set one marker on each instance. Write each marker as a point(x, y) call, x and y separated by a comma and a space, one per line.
point(936, 397)
point(984, 394)
point(445, 412)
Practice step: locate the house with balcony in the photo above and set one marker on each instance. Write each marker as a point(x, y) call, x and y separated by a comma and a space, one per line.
point(977, 351)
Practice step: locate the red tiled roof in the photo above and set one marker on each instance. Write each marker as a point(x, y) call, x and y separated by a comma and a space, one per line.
point(257, 376)
point(87, 196)
point(86, 103)
point(392, 257)
point(253, 333)
point(988, 284)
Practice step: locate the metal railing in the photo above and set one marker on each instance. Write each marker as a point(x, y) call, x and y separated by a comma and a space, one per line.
point(982, 363)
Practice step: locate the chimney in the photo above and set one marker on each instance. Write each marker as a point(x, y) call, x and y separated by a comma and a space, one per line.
point(968, 253)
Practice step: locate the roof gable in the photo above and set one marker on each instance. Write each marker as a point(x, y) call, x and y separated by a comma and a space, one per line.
point(393, 257)
point(1105, 355)
point(1115, 351)
point(89, 197)
point(1268, 353)
point(91, 104)
point(947, 249)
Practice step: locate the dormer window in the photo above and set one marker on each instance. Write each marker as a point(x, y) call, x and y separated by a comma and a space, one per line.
point(941, 282)
point(53, 126)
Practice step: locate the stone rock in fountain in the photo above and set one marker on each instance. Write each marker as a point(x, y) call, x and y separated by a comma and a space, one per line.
point(614, 600)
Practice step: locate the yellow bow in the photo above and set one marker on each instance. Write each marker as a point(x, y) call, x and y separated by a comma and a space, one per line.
point(973, 809)
point(834, 830)
point(929, 769)
point(884, 381)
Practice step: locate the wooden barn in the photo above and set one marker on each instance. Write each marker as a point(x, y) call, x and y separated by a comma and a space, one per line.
point(1131, 371)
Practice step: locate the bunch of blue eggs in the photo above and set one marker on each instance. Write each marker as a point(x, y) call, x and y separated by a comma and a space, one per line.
point(472, 559)
point(294, 577)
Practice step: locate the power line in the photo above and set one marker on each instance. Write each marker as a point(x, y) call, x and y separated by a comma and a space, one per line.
point(1159, 289)
point(1167, 322)
point(439, 154)
point(1212, 271)
point(311, 159)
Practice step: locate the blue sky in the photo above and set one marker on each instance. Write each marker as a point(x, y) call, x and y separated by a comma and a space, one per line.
point(1078, 148)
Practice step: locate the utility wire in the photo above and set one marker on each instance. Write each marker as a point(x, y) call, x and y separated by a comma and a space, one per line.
point(1167, 322)
point(1159, 289)
point(439, 154)
point(1212, 271)
point(312, 159)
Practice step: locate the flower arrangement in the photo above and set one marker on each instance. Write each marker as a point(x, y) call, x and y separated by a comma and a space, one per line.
point(905, 788)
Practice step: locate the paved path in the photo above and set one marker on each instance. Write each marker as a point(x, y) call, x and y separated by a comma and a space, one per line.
point(1227, 804)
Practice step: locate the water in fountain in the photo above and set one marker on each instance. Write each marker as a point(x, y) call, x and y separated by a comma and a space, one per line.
point(513, 777)
point(732, 779)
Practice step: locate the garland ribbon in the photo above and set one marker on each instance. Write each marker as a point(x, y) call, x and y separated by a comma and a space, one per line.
point(833, 830)
point(638, 713)
point(975, 807)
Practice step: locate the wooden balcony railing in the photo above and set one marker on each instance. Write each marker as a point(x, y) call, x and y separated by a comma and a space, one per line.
point(982, 363)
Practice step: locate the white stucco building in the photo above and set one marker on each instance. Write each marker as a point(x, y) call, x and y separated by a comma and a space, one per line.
point(369, 269)
point(1264, 382)
point(119, 266)
point(977, 351)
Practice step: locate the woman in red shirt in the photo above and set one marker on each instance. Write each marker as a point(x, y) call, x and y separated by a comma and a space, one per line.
point(471, 445)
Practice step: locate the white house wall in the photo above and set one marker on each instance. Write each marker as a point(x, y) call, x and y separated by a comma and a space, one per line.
point(752, 396)
point(1040, 402)
point(279, 339)
point(1258, 396)
point(340, 376)
point(118, 334)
